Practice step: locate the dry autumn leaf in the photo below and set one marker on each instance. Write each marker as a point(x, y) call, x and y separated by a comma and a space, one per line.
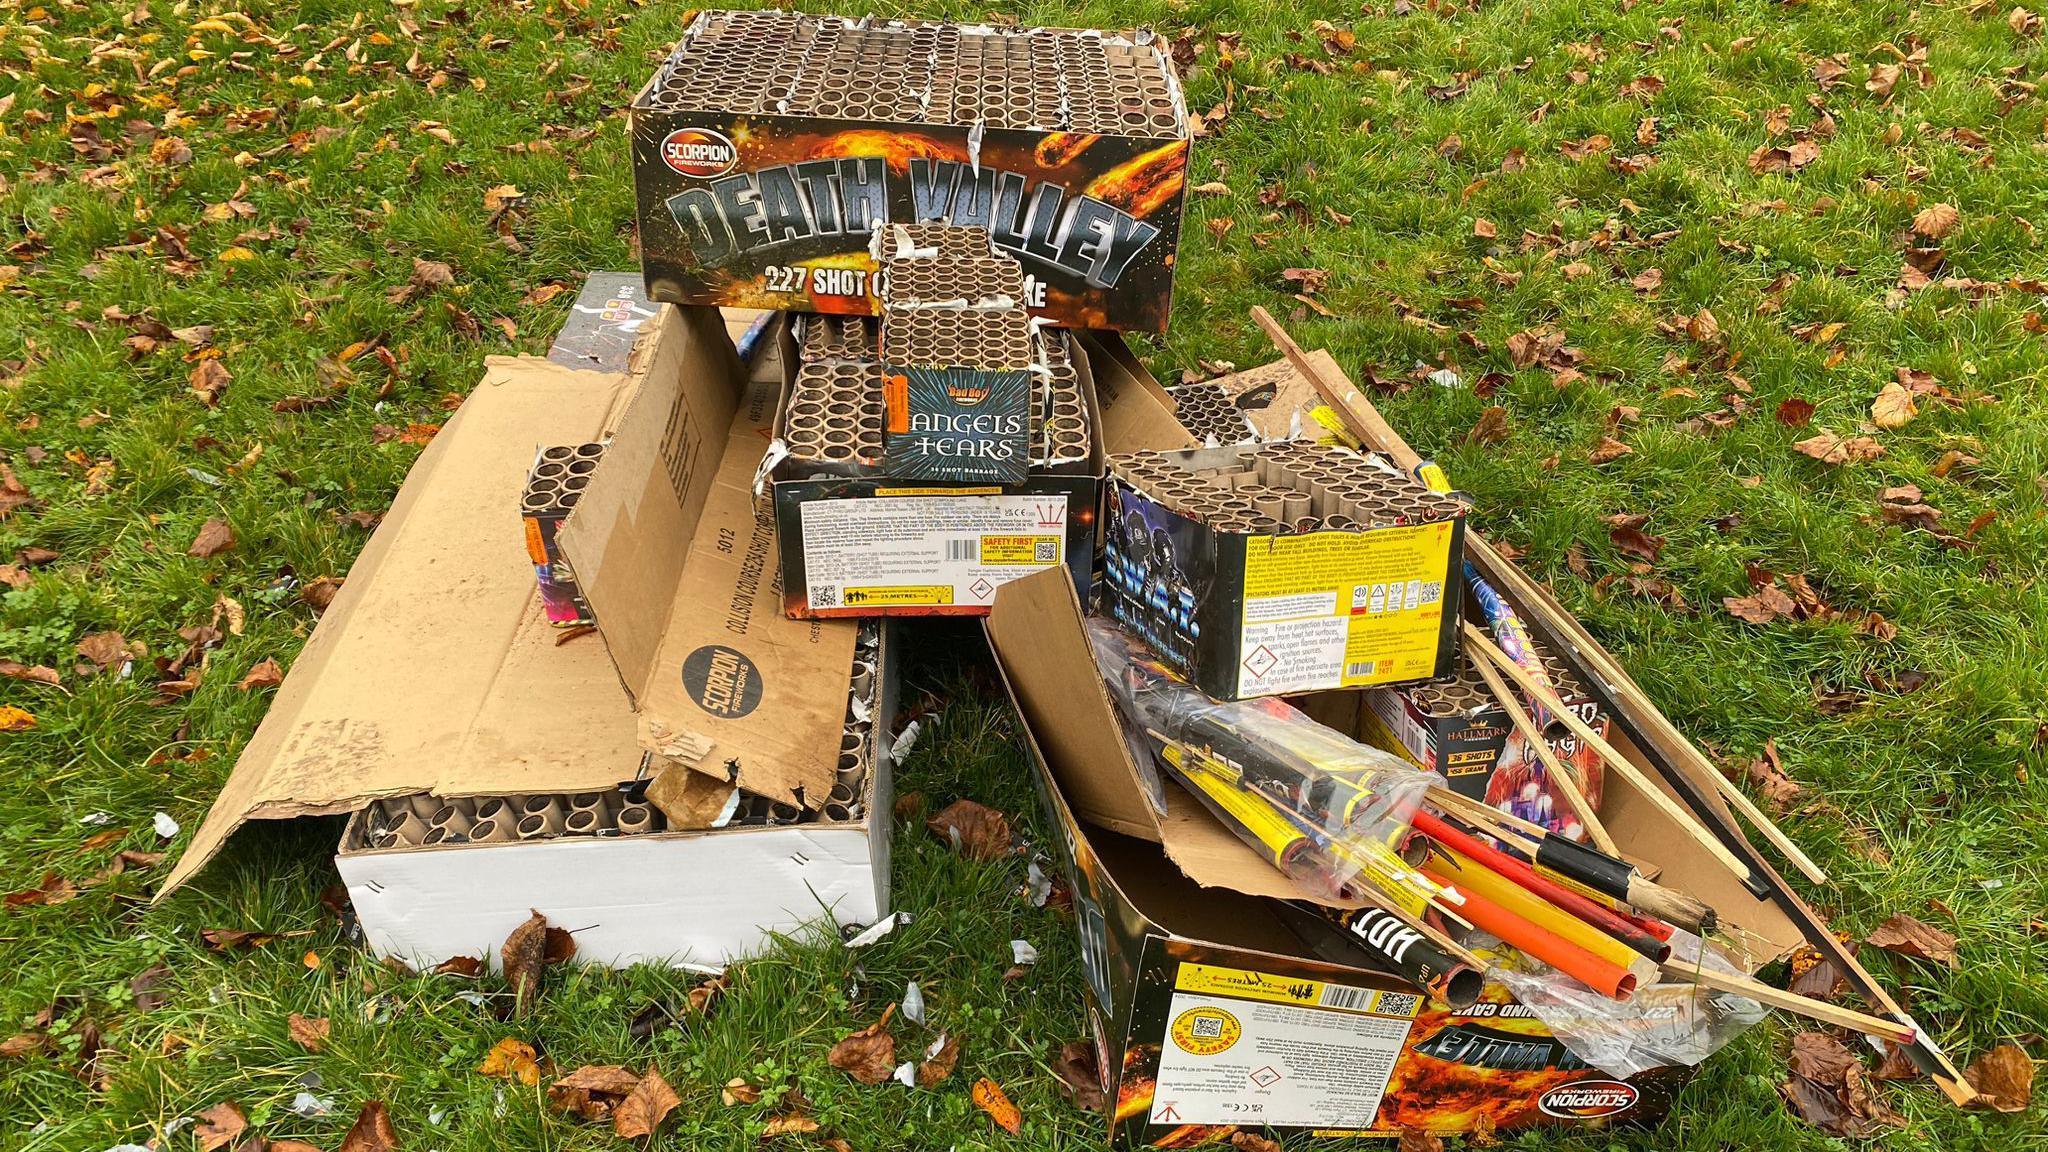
point(219, 1126)
point(526, 954)
point(310, 1032)
point(1417, 1140)
point(2003, 1078)
point(1894, 407)
point(975, 831)
point(208, 380)
point(1794, 412)
point(13, 719)
point(266, 674)
point(989, 1097)
point(868, 1055)
point(1907, 936)
point(1935, 220)
point(1253, 1142)
point(511, 1059)
point(939, 1064)
point(1829, 1089)
point(1492, 427)
point(214, 538)
point(1608, 451)
point(372, 1131)
point(1829, 448)
point(645, 1107)
point(36, 674)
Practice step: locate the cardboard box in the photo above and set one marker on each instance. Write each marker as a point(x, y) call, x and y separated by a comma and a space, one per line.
point(435, 670)
point(1182, 947)
point(1263, 613)
point(1457, 730)
point(770, 145)
point(855, 544)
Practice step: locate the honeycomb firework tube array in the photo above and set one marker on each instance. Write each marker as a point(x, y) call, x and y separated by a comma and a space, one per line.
point(1287, 486)
point(554, 484)
point(771, 145)
point(1323, 808)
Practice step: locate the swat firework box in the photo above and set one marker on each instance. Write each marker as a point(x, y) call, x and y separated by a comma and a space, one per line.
point(554, 484)
point(1212, 1010)
point(1283, 567)
point(855, 542)
point(770, 145)
point(1456, 729)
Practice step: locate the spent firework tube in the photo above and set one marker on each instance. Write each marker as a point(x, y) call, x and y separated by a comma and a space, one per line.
point(1598, 915)
point(1512, 636)
point(1391, 945)
point(1575, 863)
point(1523, 920)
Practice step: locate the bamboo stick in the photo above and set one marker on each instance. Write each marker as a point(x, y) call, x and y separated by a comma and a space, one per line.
point(1794, 1003)
point(1567, 783)
point(1762, 823)
point(1615, 760)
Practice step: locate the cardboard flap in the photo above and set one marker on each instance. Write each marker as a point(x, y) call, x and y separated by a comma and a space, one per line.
point(1035, 629)
point(740, 691)
point(424, 673)
point(1133, 412)
point(630, 534)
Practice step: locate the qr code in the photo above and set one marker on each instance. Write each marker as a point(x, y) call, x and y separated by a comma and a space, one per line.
point(1432, 591)
point(1048, 552)
point(1208, 1027)
point(824, 596)
point(1397, 1004)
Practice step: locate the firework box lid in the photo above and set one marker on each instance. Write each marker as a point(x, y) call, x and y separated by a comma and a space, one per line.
point(677, 558)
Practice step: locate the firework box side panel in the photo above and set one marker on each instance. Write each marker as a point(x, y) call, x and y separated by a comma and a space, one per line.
point(869, 545)
point(1210, 1015)
point(1252, 614)
point(765, 211)
point(434, 670)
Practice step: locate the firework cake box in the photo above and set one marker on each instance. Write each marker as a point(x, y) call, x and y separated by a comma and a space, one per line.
point(770, 145)
point(1210, 1014)
point(1248, 600)
point(855, 541)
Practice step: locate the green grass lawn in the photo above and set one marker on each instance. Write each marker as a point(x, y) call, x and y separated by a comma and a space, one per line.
point(1469, 180)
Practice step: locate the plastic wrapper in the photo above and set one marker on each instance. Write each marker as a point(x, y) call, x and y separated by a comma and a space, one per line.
point(1670, 1022)
point(1326, 810)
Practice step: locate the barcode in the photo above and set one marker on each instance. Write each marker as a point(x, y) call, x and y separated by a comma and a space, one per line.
point(1340, 996)
point(964, 549)
point(1360, 667)
point(824, 596)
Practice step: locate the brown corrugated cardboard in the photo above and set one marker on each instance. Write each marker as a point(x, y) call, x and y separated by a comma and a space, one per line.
point(362, 715)
point(677, 559)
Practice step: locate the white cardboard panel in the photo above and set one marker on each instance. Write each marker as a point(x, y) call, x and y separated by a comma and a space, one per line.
point(697, 900)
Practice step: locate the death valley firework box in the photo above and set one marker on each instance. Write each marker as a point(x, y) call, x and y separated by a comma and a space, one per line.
point(770, 145)
point(1209, 1014)
point(1247, 603)
point(1457, 729)
point(857, 542)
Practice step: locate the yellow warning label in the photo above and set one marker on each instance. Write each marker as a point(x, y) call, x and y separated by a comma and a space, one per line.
point(1205, 1031)
point(912, 595)
point(1245, 984)
point(536, 548)
point(1344, 609)
point(990, 491)
point(1026, 550)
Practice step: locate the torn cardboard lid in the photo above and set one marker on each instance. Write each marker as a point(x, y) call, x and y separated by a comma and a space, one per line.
point(677, 559)
point(1040, 642)
point(434, 669)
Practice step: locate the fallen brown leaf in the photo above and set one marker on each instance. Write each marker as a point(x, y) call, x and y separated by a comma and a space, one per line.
point(989, 1097)
point(219, 1125)
point(789, 1124)
point(1908, 936)
point(868, 1055)
point(2004, 1078)
point(1893, 407)
point(372, 1131)
point(1935, 220)
point(145, 987)
point(1608, 451)
point(527, 953)
point(975, 831)
point(309, 1031)
point(645, 1107)
point(1078, 1074)
point(1417, 1140)
point(266, 674)
point(53, 889)
point(1829, 448)
point(1794, 412)
point(1492, 427)
point(939, 1065)
point(214, 538)
point(511, 1059)
point(1253, 1142)
point(1829, 1089)
point(36, 674)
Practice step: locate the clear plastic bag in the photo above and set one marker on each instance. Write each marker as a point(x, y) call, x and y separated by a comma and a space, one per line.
point(1669, 1022)
point(1322, 807)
